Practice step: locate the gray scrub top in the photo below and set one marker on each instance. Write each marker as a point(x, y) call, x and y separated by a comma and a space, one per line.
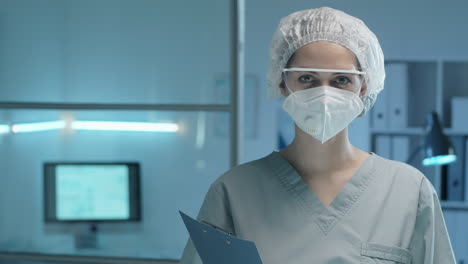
point(388, 212)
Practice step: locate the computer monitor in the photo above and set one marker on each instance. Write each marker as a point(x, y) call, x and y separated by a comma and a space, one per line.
point(91, 191)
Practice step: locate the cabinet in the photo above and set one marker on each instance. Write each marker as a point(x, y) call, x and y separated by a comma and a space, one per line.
point(413, 89)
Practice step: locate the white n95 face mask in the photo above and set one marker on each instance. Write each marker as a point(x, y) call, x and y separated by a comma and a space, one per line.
point(324, 111)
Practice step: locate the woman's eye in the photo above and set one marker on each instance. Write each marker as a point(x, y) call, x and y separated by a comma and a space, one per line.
point(306, 78)
point(343, 80)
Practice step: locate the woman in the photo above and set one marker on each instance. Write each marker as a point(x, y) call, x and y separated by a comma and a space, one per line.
point(322, 200)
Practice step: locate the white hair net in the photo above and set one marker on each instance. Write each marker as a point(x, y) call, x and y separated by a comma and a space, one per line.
point(327, 24)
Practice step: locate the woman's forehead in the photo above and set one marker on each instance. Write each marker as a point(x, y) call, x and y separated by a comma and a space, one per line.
point(324, 55)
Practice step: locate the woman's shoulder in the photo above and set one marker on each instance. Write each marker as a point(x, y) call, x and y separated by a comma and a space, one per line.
point(412, 179)
point(249, 171)
point(398, 170)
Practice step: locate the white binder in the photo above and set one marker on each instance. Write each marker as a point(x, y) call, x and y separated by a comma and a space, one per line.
point(397, 94)
point(383, 146)
point(400, 148)
point(380, 110)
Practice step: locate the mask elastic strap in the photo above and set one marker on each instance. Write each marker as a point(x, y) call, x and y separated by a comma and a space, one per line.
point(286, 85)
point(290, 92)
point(360, 89)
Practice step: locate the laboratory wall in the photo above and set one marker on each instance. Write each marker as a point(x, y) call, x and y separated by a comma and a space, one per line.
point(113, 52)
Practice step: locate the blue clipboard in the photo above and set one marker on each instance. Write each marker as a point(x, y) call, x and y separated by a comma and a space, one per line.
point(215, 246)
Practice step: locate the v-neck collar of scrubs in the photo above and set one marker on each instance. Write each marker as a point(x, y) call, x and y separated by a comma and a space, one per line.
point(325, 216)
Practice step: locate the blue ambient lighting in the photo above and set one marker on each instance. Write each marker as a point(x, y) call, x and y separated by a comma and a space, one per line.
point(439, 160)
point(125, 126)
point(4, 129)
point(40, 126)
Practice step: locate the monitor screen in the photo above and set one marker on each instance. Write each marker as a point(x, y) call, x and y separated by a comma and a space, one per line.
point(91, 191)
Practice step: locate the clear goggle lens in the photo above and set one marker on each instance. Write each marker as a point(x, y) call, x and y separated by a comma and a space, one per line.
point(297, 79)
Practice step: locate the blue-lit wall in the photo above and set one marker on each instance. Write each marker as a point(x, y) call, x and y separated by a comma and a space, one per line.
point(146, 51)
point(109, 51)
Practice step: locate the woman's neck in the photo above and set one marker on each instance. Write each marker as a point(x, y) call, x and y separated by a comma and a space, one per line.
point(311, 157)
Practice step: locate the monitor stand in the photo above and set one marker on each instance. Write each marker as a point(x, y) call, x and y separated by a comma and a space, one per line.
point(86, 236)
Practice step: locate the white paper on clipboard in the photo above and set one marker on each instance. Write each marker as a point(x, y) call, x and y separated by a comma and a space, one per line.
point(215, 246)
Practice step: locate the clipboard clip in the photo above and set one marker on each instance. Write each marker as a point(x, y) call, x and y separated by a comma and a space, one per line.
point(218, 228)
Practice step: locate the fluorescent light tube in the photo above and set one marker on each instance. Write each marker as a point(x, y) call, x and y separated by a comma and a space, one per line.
point(39, 126)
point(4, 129)
point(125, 126)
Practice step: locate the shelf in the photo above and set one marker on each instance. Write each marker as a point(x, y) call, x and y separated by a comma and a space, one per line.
point(454, 205)
point(90, 257)
point(414, 131)
point(451, 132)
point(398, 131)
